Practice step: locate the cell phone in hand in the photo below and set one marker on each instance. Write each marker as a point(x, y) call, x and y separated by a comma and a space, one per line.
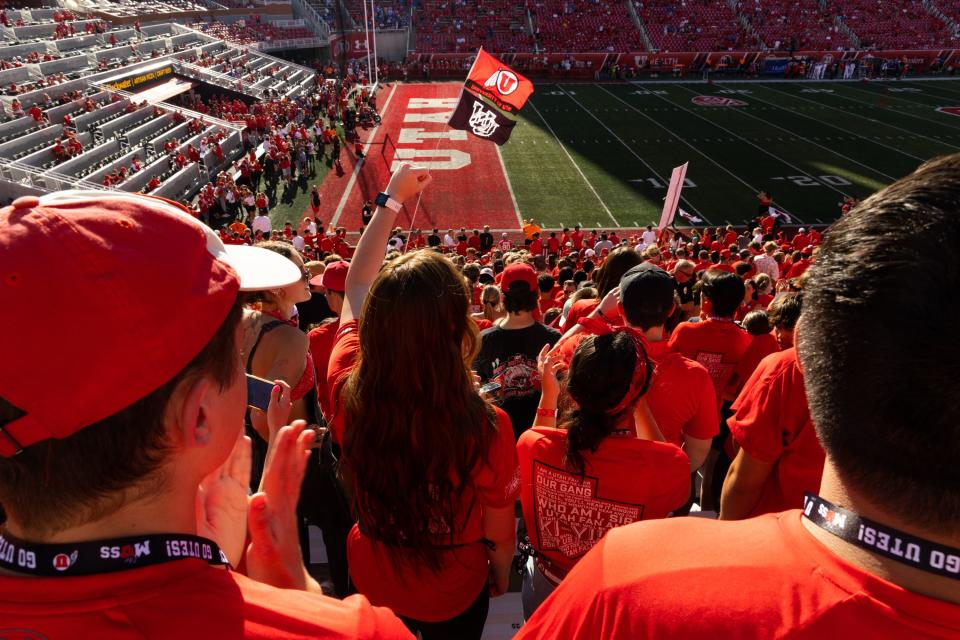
point(490, 388)
point(258, 392)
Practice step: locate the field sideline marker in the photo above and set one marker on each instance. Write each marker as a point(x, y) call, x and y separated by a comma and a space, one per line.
point(678, 137)
point(827, 106)
point(575, 165)
point(630, 149)
point(506, 177)
point(356, 168)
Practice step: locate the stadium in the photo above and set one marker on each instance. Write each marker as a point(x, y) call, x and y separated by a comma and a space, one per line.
point(505, 279)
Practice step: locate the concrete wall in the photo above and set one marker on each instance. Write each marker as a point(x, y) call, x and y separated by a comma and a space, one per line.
point(35, 97)
point(392, 45)
point(96, 177)
point(79, 42)
point(138, 181)
point(42, 156)
point(22, 50)
point(144, 131)
point(187, 179)
point(64, 65)
point(127, 122)
point(88, 158)
point(42, 137)
point(85, 121)
point(16, 126)
point(177, 132)
point(31, 31)
point(16, 74)
point(122, 53)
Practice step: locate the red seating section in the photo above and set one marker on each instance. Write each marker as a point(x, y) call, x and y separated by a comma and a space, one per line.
point(692, 25)
point(563, 26)
point(893, 25)
point(797, 24)
point(465, 25)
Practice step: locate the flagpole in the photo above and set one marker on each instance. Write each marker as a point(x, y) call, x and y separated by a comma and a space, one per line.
point(366, 34)
point(373, 21)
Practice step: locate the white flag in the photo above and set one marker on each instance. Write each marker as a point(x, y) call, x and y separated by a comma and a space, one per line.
point(776, 213)
point(689, 217)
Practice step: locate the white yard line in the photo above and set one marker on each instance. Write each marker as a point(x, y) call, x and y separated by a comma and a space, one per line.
point(744, 112)
point(671, 132)
point(952, 95)
point(630, 149)
point(832, 126)
point(575, 165)
point(356, 169)
point(513, 197)
point(755, 146)
point(903, 113)
point(881, 122)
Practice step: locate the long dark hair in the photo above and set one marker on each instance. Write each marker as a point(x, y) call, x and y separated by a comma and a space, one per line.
point(599, 377)
point(415, 426)
point(617, 263)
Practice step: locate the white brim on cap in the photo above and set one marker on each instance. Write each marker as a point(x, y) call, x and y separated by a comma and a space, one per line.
point(258, 269)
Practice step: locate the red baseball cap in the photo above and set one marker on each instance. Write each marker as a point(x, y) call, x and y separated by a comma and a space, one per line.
point(519, 272)
point(148, 286)
point(334, 277)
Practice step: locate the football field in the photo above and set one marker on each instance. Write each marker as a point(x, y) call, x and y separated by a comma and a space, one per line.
point(601, 155)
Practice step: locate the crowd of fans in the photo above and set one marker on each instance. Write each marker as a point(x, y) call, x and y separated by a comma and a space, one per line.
point(759, 374)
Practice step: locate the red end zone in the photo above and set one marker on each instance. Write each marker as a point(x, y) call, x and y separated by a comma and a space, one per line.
point(469, 188)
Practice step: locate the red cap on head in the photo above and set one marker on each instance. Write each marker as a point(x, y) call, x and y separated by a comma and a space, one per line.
point(519, 272)
point(334, 277)
point(148, 286)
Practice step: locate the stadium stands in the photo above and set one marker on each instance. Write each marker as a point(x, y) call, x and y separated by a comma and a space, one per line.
point(794, 24)
point(60, 127)
point(465, 25)
point(692, 25)
point(390, 14)
point(563, 26)
point(894, 25)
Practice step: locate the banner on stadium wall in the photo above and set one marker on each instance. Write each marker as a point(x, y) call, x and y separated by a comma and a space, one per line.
point(350, 45)
point(140, 78)
point(673, 196)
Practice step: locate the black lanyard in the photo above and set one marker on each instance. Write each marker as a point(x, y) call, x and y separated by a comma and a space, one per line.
point(104, 556)
point(883, 540)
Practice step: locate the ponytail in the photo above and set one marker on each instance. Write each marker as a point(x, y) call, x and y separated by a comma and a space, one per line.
point(586, 429)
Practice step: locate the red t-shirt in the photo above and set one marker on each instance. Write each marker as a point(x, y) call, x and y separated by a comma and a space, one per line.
point(761, 346)
point(716, 344)
point(771, 422)
point(321, 344)
point(346, 344)
point(432, 597)
point(626, 480)
point(681, 396)
point(584, 307)
point(183, 599)
point(767, 577)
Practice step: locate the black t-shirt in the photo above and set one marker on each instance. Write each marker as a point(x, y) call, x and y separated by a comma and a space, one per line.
point(433, 240)
point(685, 291)
point(486, 241)
point(313, 311)
point(509, 356)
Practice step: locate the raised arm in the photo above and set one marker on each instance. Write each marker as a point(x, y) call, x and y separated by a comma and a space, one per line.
point(368, 256)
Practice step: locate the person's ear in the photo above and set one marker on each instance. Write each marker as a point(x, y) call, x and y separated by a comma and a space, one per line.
point(193, 415)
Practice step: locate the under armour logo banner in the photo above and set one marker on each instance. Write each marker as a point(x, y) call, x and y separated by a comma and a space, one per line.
point(481, 119)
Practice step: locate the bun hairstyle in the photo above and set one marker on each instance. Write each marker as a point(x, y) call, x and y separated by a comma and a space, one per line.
point(603, 383)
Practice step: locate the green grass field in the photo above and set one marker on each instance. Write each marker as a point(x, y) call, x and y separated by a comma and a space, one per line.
point(601, 155)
